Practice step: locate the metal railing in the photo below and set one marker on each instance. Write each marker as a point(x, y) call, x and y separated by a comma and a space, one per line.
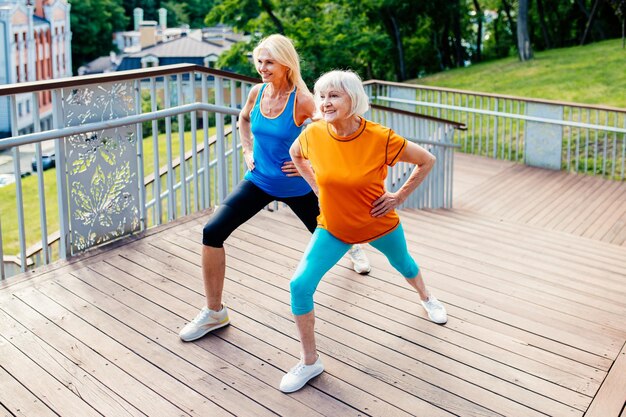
point(437, 136)
point(550, 134)
point(141, 148)
point(109, 133)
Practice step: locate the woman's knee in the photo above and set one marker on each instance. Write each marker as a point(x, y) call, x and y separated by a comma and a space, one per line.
point(408, 268)
point(218, 228)
point(211, 236)
point(301, 296)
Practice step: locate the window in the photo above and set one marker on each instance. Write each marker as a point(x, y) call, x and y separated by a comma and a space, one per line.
point(149, 61)
point(209, 61)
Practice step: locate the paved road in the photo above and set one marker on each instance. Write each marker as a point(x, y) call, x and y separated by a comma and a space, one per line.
point(26, 156)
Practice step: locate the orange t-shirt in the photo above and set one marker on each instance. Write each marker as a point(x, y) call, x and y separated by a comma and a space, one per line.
point(350, 173)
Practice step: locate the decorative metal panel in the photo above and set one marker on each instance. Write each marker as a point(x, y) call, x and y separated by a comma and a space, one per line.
point(101, 165)
point(543, 141)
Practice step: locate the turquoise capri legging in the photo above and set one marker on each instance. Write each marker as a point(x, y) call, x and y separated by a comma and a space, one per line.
point(325, 250)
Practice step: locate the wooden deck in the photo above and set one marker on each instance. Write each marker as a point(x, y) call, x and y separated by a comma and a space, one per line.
point(531, 265)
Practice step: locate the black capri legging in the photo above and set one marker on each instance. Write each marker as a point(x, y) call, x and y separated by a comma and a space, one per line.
point(245, 201)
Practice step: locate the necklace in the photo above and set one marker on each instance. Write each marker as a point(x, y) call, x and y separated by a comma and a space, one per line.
point(270, 102)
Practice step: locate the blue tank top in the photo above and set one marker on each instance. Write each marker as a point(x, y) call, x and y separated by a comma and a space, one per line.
point(273, 137)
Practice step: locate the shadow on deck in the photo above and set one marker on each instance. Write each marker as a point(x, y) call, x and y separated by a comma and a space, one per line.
point(531, 266)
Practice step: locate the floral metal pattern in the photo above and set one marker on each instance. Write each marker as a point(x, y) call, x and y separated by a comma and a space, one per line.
point(101, 165)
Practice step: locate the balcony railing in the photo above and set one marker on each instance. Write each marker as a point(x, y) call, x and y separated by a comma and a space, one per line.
point(141, 148)
point(549, 134)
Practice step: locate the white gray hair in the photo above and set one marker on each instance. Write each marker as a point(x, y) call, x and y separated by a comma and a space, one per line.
point(348, 82)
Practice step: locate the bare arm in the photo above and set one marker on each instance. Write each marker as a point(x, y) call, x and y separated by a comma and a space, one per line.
point(423, 161)
point(245, 133)
point(305, 106)
point(303, 166)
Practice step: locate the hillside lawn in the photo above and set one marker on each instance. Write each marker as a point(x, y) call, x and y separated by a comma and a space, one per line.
point(590, 74)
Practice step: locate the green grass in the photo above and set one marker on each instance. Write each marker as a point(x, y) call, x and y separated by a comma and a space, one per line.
point(590, 74)
point(8, 209)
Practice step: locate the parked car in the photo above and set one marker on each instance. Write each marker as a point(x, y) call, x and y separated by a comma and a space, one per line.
point(6, 179)
point(47, 161)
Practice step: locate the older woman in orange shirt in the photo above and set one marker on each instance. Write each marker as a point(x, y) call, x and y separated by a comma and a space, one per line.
point(347, 165)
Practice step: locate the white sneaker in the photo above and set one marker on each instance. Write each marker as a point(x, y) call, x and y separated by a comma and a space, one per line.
point(300, 374)
point(205, 322)
point(436, 311)
point(360, 263)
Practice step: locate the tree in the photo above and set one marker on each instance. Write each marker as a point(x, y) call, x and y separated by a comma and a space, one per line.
point(523, 38)
point(197, 11)
point(620, 11)
point(93, 23)
point(542, 23)
point(479, 31)
point(176, 13)
point(589, 21)
point(245, 15)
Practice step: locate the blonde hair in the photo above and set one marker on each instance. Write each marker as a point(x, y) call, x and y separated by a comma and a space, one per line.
point(282, 50)
point(348, 82)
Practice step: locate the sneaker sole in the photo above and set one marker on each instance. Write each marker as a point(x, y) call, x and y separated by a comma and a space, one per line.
point(205, 333)
point(299, 387)
point(363, 272)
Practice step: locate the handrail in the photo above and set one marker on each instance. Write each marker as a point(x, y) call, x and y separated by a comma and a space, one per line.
point(456, 125)
point(42, 85)
point(508, 115)
point(107, 124)
point(491, 95)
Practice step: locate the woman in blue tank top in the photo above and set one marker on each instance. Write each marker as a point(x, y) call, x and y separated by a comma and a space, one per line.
point(268, 124)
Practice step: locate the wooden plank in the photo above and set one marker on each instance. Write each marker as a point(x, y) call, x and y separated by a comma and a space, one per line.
point(533, 341)
point(524, 232)
point(448, 230)
point(121, 380)
point(561, 323)
point(611, 397)
point(229, 370)
point(558, 203)
point(36, 379)
point(526, 184)
point(404, 398)
point(497, 385)
point(611, 213)
point(67, 372)
point(407, 302)
point(526, 253)
point(164, 314)
point(17, 400)
point(508, 254)
point(183, 383)
point(544, 194)
point(582, 210)
point(483, 194)
point(617, 233)
point(470, 171)
point(514, 279)
point(173, 395)
point(551, 359)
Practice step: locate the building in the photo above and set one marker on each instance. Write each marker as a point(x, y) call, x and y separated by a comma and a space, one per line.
point(152, 44)
point(35, 44)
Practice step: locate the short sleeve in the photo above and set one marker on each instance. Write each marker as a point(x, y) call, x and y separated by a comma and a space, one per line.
point(304, 144)
point(396, 144)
